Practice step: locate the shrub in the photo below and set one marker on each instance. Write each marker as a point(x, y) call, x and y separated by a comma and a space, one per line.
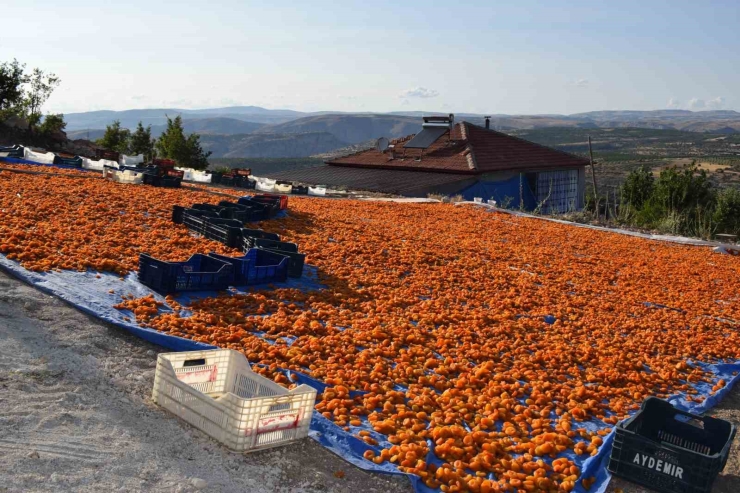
point(681, 190)
point(638, 187)
point(727, 211)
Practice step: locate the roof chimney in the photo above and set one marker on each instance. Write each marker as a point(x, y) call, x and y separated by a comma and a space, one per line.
point(488, 122)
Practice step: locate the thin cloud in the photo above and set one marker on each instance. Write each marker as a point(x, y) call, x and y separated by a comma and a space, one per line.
point(580, 82)
point(673, 103)
point(716, 103)
point(419, 92)
point(696, 104)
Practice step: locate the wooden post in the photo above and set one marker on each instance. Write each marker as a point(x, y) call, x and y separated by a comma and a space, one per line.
point(593, 175)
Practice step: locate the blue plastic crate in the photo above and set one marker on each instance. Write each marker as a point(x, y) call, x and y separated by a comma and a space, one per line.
point(297, 260)
point(257, 267)
point(198, 273)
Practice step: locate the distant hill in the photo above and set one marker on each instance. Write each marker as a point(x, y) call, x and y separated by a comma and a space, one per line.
point(270, 145)
point(93, 134)
point(350, 128)
point(203, 126)
point(353, 128)
point(129, 118)
point(220, 126)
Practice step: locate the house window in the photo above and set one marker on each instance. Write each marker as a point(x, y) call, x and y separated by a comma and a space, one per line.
point(557, 191)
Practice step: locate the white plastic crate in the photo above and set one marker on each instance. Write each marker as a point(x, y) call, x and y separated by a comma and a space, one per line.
point(265, 185)
point(125, 176)
point(187, 173)
point(218, 393)
point(125, 160)
point(202, 177)
point(92, 165)
point(38, 157)
point(317, 191)
point(283, 188)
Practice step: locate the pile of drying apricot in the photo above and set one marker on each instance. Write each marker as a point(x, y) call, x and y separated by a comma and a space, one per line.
point(466, 347)
point(79, 223)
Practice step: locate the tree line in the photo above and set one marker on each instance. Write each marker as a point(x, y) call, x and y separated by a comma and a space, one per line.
point(172, 144)
point(23, 93)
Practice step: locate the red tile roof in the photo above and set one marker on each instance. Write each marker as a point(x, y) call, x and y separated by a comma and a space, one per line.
point(467, 148)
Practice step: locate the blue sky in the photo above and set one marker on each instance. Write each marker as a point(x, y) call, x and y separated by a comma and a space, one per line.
point(520, 57)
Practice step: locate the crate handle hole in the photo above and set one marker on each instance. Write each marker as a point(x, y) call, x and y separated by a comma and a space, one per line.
point(194, 362)
point(697, 423)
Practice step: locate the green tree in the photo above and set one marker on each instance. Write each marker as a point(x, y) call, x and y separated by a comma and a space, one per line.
point(12, 79)
point(53, 123)
point(186, 151)
point(115, 138)
point(41, 86)
point(142, 142)
point(638, 187)
point(727, 211)
point(679, 190)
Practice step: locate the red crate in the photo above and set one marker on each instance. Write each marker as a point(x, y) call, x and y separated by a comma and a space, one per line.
point(106, 154)
point(164, 163)
point(173, 173)
point(243, 171)
point(283, 199)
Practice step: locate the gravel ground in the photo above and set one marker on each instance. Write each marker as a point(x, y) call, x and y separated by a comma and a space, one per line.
point(76, 415)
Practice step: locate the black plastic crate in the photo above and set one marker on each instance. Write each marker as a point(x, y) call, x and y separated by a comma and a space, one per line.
point(196, 220)
point(240, 215)
point(162, 181)
point(271, 244)
point(198, 273)
point(226, 231)
point(297, 260)
point(299, 190)
point(670, 450)
point(177, 211)
point(258, 233)
point(269, 208)
point(216, 178)
point(14, 152)
point(257, 267)
point(254, 211)
point(208, 207)
point(68, 161)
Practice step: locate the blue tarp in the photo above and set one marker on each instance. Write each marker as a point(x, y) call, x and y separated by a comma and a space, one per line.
point(89, 292)
point(503, 192)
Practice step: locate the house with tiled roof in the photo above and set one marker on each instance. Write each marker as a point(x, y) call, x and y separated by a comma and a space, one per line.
point(460, 159)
